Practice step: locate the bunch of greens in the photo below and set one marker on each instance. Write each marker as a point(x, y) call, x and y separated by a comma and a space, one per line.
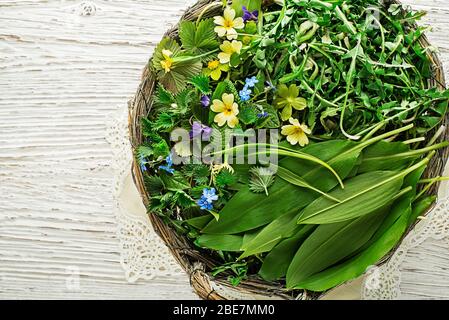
point(346, 84)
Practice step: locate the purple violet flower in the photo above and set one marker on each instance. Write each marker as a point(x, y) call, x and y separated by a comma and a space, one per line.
point(199, 129)
point(250, 16)
point(205, 101)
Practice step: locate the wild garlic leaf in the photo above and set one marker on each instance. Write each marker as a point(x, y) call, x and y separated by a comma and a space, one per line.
point(277, 261)
point(362, 195)
point(220, 242)
point(331, 243)
point(261, 179)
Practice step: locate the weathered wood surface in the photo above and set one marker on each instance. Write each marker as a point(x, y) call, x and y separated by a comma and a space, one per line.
point(61, 75)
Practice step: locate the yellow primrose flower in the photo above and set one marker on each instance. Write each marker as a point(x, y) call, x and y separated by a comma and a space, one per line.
point(228, 49)
point(288, 98)
point(168, 62)
point(227, 110)
point(227, 24)
point(215, 68)
point(296, 132)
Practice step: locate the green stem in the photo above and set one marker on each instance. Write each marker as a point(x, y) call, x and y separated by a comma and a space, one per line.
point(410, 153)
point(436, 179)
point(283, 152)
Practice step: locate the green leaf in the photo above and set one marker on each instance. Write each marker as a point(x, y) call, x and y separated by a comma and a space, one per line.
point(330, 243)
point(183, 67)
point(296, 180)
point(272, 121)
point(201, 82)
point(275, 264)
point(144, 152)
point(362, 194)
point(420, 208)
point(163, 97)
point(357, 265)
point(199, 172)
point(175, 182)
point(220, 242)
point(247, 210)
point(225, 178)
point(261, 179)
point(198, 39)
point(375, 157)
point(153, 184)
point(248, 115)
point(199, 222)
point(164, 122)
point(219, 90)
point(283, 227)
point(161, 149)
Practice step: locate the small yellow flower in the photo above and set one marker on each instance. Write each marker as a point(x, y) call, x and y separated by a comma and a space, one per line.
point(227, 24)
point(228, 49)
point(296, 132)
point(215, 68)
point(168, 62)
point(288, 98)
point(227, 110)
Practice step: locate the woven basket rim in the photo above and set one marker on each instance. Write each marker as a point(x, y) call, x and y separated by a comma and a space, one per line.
point(191, 260)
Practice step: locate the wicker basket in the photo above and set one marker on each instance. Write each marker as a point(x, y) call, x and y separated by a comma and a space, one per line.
point(195, 263)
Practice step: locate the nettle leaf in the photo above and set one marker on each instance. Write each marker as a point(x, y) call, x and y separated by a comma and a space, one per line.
point(201, 82)
point(160, 149)
point(163, 97)
point(164, 122)
point(198, 39)
point(184, 100)
point(175, 182)
point(184, 200)
point(199, 172)
point(248, 115)
point(225, 178)
point(154, 185)
point(261, 179)
point(147, 127)
point(144, 151)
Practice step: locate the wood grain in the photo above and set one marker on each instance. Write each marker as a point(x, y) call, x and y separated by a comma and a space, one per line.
point(61, 75)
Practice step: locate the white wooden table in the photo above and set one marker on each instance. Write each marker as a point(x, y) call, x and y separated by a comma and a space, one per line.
point(61, 75)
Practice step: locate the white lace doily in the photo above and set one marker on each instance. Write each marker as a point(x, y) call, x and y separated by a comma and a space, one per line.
point(144, 255)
